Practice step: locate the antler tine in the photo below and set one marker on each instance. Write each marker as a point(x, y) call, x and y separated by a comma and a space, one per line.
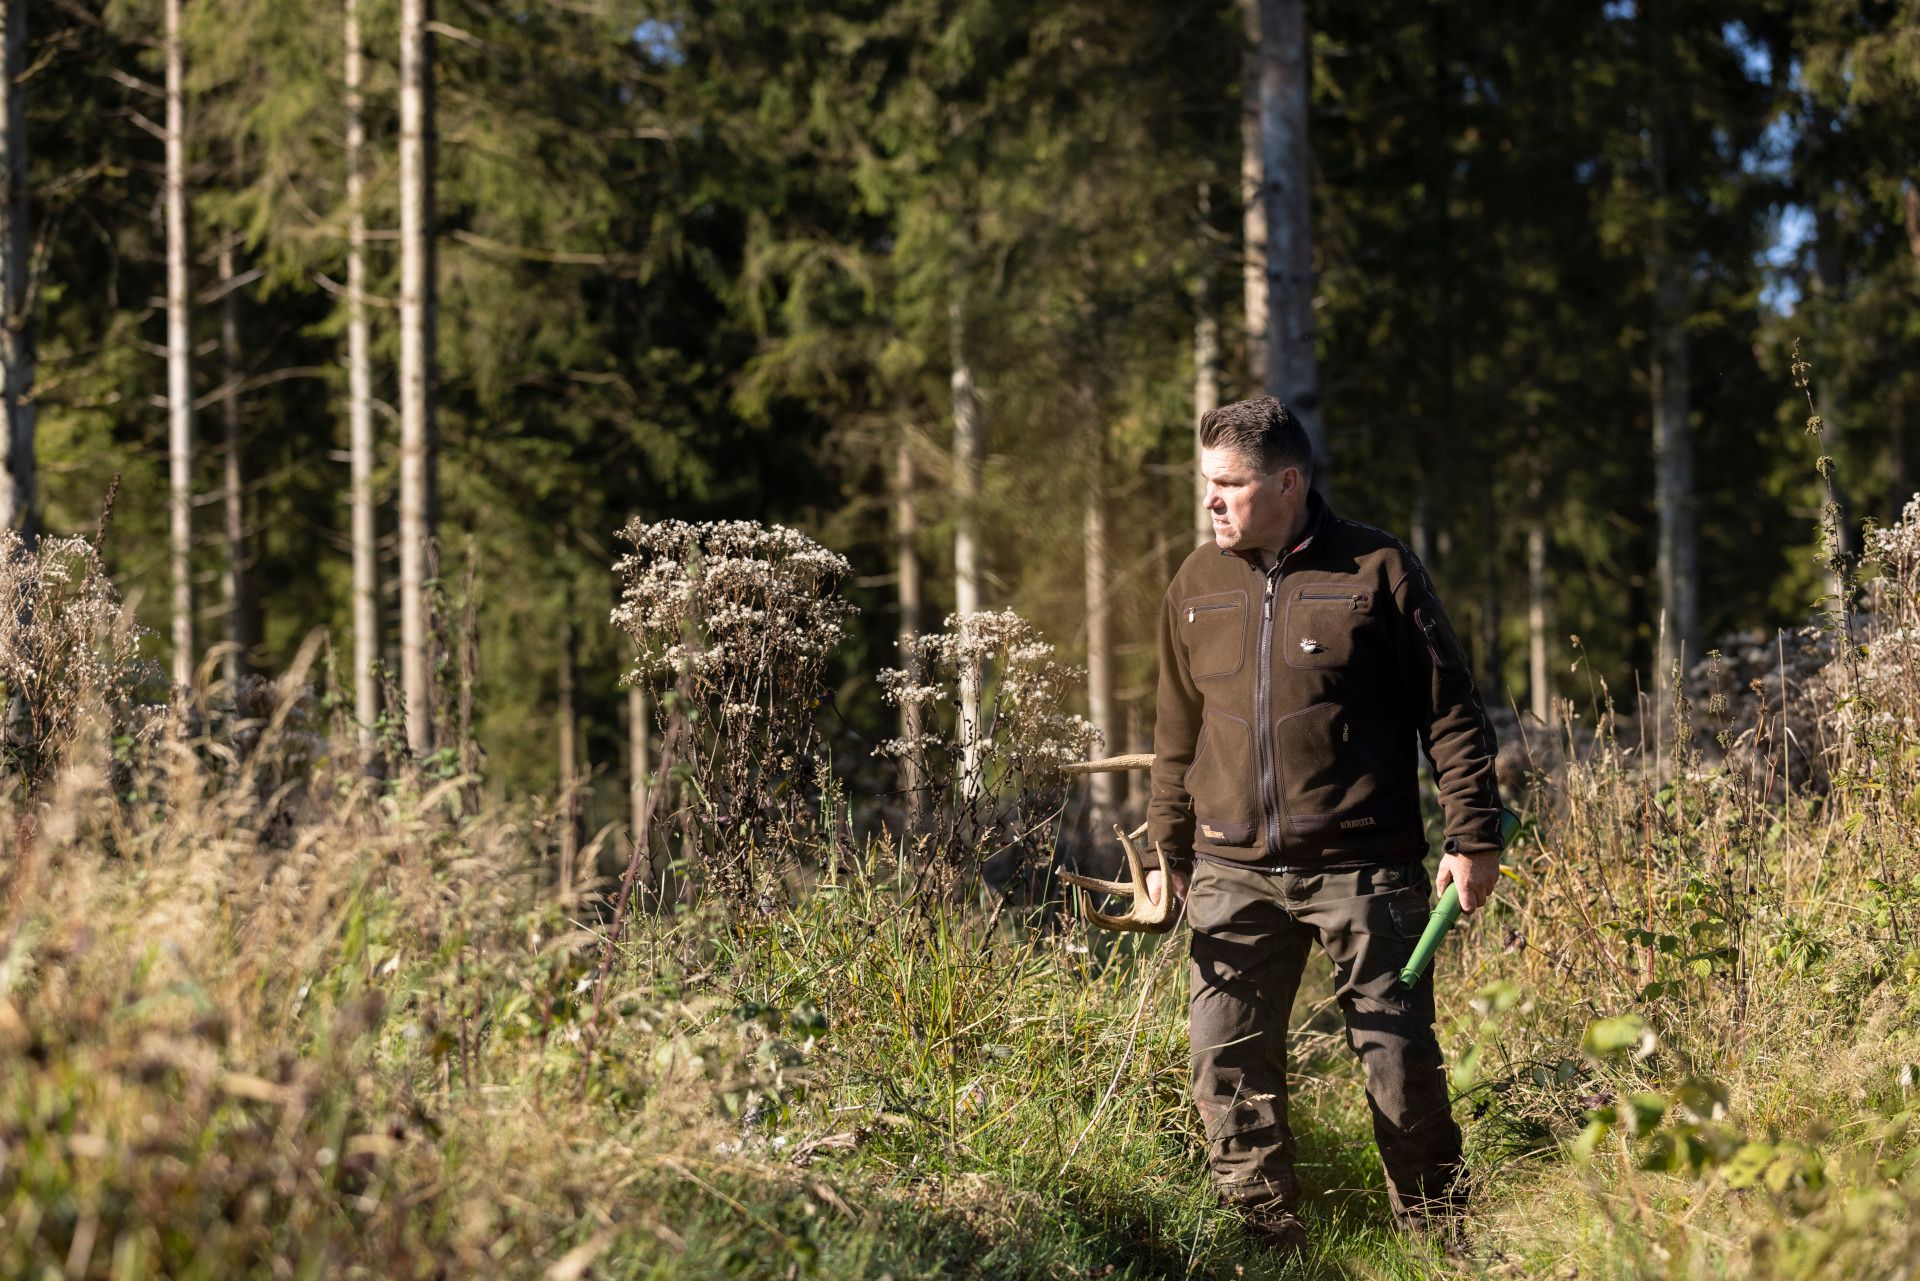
point(1143, 913)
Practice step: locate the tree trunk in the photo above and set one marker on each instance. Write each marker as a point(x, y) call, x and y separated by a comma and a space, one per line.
point(1676, 566)
point(1493, 685)
point(18, 509)
point(1206, 378)
point(1293, 367)
point(1140, 742)
point(1676, 560)
point(966, 548)
point(179, 372)
point(1902, 477)
point(1420, 537)
point(1253, 205)
point(1830, 283)
point(906, 535)
point(569, 751)
point(1912, 200)
point(1539, 696)
point(416, 364)
point(366, 607)
point(1103, 789)
point(236, 583)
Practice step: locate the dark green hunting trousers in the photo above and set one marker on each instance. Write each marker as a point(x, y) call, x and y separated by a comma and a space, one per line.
point(1251, 934)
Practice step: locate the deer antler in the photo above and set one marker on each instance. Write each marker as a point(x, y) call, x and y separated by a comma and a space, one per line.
point(1144, 915)
point(1111, 765)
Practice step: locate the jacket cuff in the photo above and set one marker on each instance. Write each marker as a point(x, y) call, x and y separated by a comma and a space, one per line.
point(1473, 844)
point(1177, 860)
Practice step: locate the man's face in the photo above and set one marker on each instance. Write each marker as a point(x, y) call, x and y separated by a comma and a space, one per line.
point(1250, 511)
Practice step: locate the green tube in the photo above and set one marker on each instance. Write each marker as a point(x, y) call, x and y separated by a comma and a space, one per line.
point(1446, 914)
point(1437, 926)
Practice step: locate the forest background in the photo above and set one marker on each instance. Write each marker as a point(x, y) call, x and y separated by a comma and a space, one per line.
point(945, 284)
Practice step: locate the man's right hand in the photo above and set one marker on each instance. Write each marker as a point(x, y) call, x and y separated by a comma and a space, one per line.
point(1155, 880)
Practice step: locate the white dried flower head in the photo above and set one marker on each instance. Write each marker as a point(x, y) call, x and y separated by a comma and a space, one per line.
point(67, 648)
point(741, 620)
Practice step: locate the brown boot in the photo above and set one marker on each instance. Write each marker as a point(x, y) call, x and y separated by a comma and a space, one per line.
point(1274, 1226)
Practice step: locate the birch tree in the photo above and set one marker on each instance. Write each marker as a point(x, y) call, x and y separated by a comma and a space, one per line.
point(906, 542)
point(967, 456)
point(17, 481)
point(1677, 556)
point(1103, 788)
point(360, 446)
point(238, 598)
point(1206, 374)
point(179, 368)
point(1253, 205)
point(416, 364)
point(1539, 688)
point(1291, 367)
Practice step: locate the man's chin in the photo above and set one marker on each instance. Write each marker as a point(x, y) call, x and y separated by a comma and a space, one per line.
point(1225, 541)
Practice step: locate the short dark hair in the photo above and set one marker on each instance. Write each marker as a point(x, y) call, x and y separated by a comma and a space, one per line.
point(1262, 429)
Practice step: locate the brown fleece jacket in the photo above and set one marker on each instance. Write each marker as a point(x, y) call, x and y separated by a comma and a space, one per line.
point(1290, 701)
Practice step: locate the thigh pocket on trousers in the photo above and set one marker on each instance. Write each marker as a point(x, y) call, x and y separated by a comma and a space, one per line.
point(1388, 928)
point(1237, 1038)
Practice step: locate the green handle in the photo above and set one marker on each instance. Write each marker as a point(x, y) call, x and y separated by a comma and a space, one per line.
point(1446, 914)
point(1437, 926)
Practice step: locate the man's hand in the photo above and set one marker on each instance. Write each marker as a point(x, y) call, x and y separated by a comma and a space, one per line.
point(1473, 873)
point(1155, 880)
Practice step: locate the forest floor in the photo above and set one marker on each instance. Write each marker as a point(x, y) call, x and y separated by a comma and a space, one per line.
point(370, 1052)
point(266, 1014)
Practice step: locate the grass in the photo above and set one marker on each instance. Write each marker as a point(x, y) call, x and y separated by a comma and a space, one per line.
point(264, 1015)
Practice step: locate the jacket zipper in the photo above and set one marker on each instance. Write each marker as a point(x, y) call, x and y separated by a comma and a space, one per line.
point(1201, 609)
point(1263, 697)
point(1263, 718)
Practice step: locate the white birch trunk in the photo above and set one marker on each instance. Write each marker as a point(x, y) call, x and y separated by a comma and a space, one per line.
point(569, 749)
point(1206, 379)
point(1539, 695)
point(236, 589)
point(17, 461)
point(416, 364)
point(1253, 204)
point(1677, 559)
point(1103, 789)
point(366, 608)
point(179, 372)
point(1293, 367)
point(966, 546)
point(906, 535)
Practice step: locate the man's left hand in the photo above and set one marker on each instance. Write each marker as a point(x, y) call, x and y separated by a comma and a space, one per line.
point(1473, 873)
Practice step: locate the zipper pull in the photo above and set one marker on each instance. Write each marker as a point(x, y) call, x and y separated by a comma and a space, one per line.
point(1189, 613)
point(1266, 609)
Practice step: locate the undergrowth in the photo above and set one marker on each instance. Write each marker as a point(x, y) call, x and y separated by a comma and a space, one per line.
point(266, 1013)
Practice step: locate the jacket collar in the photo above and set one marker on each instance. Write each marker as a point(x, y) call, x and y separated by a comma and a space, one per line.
point(1320, 518)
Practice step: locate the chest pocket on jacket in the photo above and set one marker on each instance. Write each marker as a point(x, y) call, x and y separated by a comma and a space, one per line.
point(1326, 624)
point(1214, 630)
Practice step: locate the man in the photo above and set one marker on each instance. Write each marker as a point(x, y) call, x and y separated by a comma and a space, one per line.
point(1301, 655)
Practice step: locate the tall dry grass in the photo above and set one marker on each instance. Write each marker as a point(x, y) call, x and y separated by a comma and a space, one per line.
point(263, 1014)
